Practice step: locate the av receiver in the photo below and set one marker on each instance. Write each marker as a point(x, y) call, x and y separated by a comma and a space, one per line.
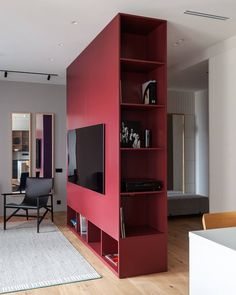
point(141, 185)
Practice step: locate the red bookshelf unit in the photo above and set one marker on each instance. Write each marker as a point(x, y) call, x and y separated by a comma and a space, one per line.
point(104, 86)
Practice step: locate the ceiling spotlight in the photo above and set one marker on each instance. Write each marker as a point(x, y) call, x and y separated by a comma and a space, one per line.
point(49, 77)
point(61, 44)
point(51, 59)
point(5, 74)
point(178, 42)
point(74, 22)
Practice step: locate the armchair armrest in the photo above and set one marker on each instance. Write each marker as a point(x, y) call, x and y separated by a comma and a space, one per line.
point(12, 194)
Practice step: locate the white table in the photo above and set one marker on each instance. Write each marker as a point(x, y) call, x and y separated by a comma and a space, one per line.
point(212, 262)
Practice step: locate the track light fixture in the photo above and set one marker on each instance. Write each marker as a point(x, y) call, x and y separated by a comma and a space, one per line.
point(30, 73)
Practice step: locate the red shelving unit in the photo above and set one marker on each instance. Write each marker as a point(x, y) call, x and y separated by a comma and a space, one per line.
point(139, 106)
point(104, 86)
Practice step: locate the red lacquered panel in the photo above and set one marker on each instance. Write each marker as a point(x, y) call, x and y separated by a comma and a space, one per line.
point(93, 98)
point(148, 254)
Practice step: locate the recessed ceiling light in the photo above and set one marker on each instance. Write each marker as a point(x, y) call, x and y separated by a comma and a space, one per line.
point(61, 44)
point(51, 59)
point(74, 22)
point(178, 42)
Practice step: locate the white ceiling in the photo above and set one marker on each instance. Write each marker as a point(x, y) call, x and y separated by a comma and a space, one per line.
point(193, 78)
point(31, 30)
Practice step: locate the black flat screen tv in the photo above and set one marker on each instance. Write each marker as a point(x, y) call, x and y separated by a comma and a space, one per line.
point(86, 152)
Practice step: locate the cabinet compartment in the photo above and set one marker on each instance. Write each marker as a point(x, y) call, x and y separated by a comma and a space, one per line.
point(144, 165)
point(109, 246)
point(94, 237)
point(72, 218)
point(154, 120)
point(131, 84)
point(144, 214)
point(143, 39)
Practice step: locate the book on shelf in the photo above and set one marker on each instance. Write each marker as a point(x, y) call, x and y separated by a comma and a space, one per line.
point(149, 92)
point(122, 223)
point(83, 225)
point(73, 221)
point(113, 258)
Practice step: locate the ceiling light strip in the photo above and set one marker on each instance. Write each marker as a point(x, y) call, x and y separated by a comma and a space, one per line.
point(201, 14)
point(31, 73)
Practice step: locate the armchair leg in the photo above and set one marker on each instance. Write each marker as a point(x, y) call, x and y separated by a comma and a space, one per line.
point(37, 215)
point(4, 213)
point(27, 214)
point(52, 208)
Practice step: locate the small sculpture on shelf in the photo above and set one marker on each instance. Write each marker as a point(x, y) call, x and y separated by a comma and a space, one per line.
point(130, 134)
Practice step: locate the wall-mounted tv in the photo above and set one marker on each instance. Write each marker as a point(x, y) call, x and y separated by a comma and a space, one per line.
point(86, 157)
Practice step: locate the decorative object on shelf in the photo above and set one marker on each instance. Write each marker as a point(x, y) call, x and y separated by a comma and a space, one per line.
point(73, 221)
point(83, 224)
point(113, 258)
point(149, 92)
point(147, 138)
point(122, 223)
point(130, 134)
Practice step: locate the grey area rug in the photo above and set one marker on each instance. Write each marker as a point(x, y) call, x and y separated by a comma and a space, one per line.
point(29, 260)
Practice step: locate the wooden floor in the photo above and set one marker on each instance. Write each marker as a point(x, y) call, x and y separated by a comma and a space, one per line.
point(173, 282)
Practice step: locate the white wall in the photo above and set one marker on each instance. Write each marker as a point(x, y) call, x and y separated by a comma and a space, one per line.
point(31, 97)
point(222, 126)
point(178, 146)
point(202, 142)
point(183, 102)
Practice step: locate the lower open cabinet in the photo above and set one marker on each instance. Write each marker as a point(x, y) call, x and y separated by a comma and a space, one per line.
point(137, 253)
point(102, 244)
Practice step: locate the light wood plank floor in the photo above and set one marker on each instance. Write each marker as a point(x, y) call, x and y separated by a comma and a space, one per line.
point(173, 282)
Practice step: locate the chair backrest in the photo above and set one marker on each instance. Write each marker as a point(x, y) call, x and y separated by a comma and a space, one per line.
point(219, 220)
point(23, 177)
point(37, 187)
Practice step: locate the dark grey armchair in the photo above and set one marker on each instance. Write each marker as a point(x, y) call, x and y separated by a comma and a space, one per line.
point(36, 197)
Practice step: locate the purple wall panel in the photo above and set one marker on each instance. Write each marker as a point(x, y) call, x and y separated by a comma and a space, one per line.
point(47, 135)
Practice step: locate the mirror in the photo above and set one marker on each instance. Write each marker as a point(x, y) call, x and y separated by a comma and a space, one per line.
point(44, 145)
point(21, 149)
point(181, 153)
point(176, 141)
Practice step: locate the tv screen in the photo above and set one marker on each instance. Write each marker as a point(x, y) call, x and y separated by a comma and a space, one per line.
point(86, 157)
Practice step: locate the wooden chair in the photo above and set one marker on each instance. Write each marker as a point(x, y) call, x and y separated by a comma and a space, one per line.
point(218, 220)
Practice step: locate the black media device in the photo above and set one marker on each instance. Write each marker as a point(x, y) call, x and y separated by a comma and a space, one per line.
point(141, 185)
point(86, 157)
